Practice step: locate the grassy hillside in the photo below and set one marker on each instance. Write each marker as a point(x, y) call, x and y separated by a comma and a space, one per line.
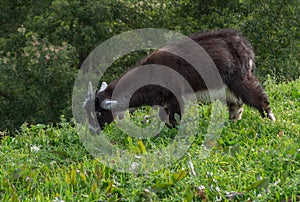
point(254, 160)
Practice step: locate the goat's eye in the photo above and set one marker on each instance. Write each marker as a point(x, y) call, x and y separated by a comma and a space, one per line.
point(98, 114)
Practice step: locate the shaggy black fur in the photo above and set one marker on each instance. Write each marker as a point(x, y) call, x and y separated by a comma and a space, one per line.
point(230, 52)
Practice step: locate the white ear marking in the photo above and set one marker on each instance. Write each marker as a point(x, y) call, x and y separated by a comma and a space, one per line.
point(89, 94)
point(90, 90)
point(109, 104)
point(103, 87)
point(251, 64)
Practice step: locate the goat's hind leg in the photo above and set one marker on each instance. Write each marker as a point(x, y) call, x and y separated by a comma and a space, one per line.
point(252, 94)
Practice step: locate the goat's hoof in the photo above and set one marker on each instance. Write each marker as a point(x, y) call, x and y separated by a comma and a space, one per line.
point(271, 117)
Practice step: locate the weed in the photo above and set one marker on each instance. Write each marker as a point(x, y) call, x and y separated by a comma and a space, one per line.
point(254, 159)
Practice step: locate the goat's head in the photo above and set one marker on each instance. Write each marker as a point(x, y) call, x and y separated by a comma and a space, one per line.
point(99, 109)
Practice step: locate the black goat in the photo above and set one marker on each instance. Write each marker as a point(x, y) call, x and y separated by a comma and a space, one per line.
point(231, 53)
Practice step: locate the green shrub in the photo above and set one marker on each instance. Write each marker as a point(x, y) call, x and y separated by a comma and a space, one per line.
point(271, 26)
point(37, 81)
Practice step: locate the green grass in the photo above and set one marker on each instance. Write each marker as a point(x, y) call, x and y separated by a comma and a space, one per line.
point(254, 160)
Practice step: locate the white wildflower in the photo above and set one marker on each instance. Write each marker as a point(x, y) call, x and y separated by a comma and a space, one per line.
point(22, 30)
point(34, 148)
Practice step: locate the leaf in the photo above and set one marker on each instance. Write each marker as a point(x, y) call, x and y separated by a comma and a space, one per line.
point(67, 178)
point(73, 176)
point(82, 176)
point(94, 187)
point(257, 185)
point(131, 146)
point(142, 147)
point(109, 188)
point(98, 173)
point(180, 175)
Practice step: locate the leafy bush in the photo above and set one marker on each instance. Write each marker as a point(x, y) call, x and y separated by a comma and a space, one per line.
point(37, 81)
point(272, 27)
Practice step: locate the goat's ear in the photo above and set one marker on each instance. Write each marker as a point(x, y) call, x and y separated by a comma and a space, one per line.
point(109, 104)
point(103, 86)
point(90, 90)
point(89, 94)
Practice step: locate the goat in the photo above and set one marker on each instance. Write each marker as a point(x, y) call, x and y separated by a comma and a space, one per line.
point(231, 53)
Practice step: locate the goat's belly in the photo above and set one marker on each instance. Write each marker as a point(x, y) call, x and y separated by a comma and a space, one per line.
point(214, 94)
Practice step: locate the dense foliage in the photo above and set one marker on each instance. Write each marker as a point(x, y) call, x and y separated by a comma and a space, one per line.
point(43, 43)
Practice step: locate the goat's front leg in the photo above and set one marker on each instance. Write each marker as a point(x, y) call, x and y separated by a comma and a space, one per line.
point(173, 107)
point(235, 109)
